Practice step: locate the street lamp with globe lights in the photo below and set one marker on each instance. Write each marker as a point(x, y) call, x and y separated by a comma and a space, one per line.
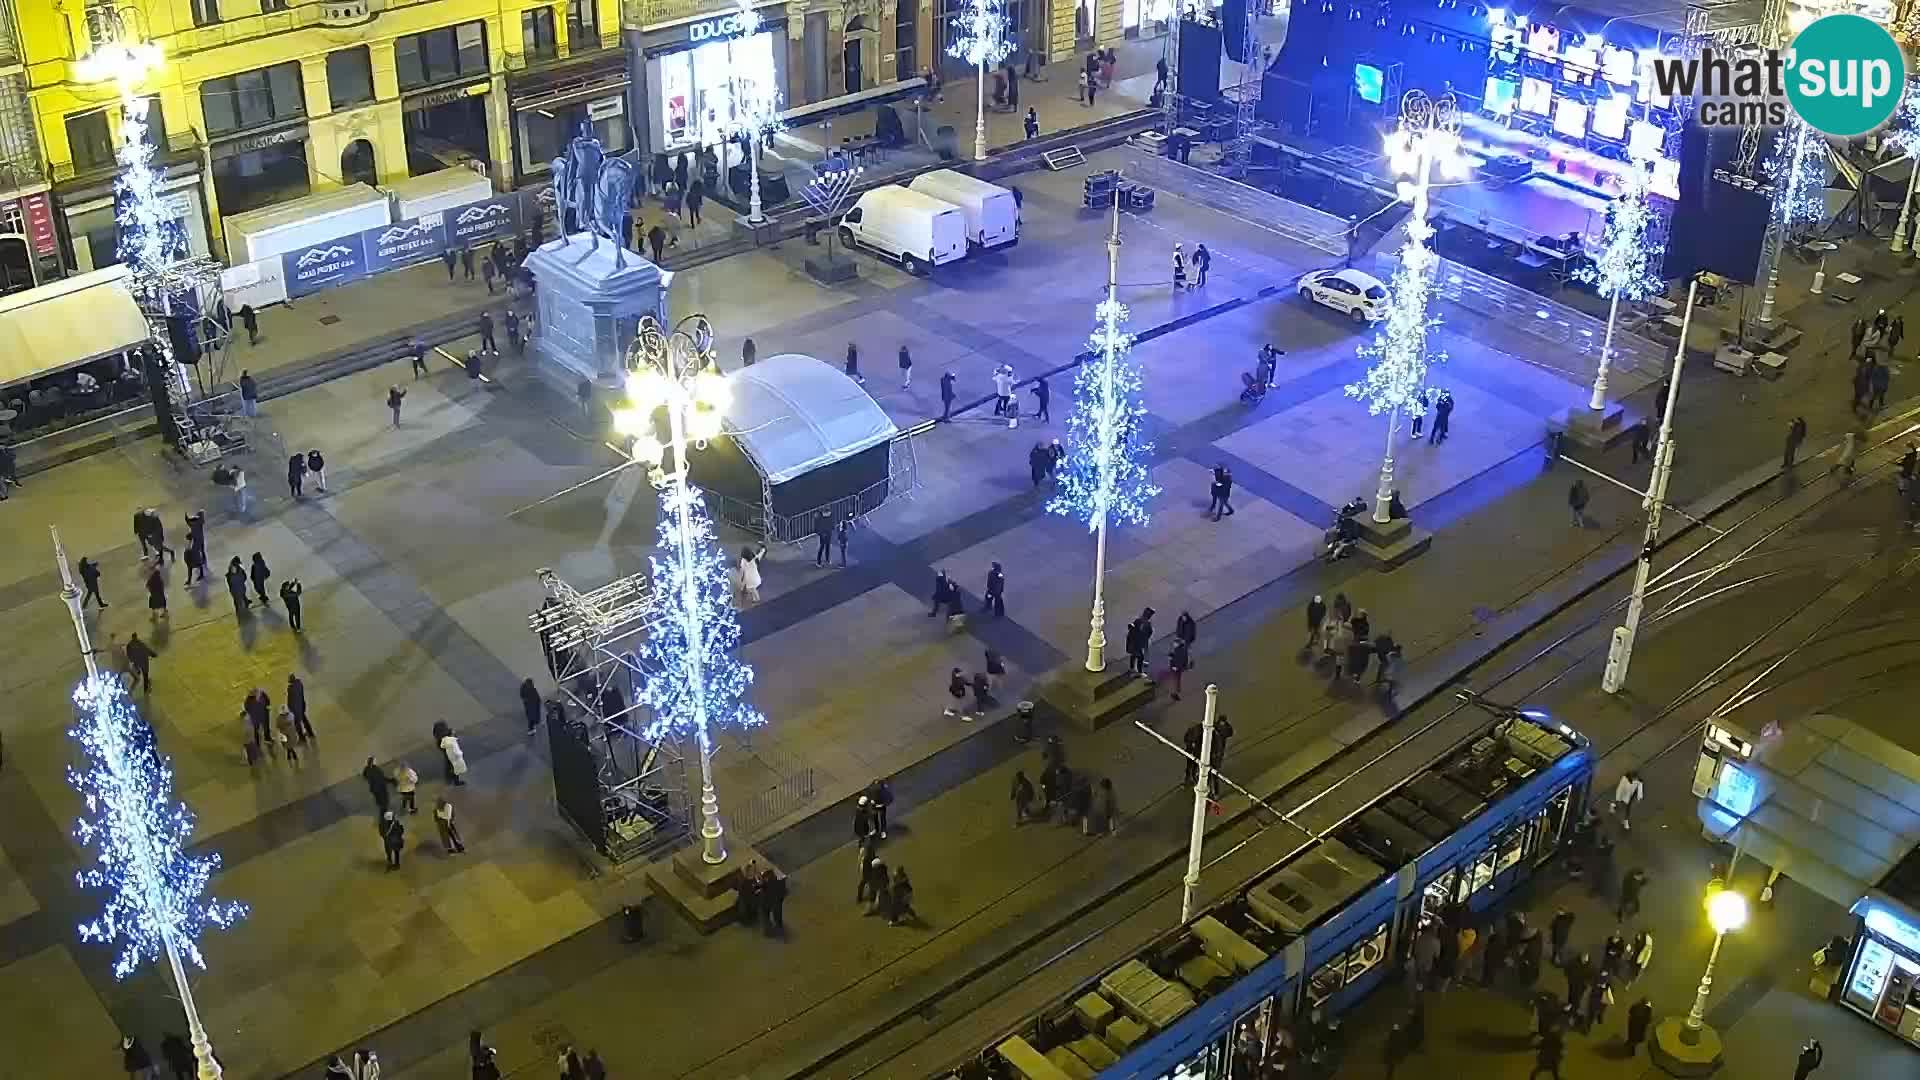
point(701, 685)
point(1427, 139)
point(1691, 1047)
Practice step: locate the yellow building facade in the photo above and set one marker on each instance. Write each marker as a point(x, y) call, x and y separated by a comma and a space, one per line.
point(264, 101)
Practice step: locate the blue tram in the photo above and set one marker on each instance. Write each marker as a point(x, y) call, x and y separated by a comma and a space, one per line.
point(1218, 998)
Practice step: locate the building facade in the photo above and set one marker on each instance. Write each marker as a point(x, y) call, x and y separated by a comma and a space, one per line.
point(29, 250)
point(263, 101)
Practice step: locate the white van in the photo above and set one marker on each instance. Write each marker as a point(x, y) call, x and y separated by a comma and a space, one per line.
point(993, 214)
point(920, 231)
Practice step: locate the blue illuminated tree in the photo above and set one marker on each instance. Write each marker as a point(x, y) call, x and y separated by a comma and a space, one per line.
point(1105, 477)
point(1628, 266)
point(699, 684)
point(156, 903)
point(980, 38)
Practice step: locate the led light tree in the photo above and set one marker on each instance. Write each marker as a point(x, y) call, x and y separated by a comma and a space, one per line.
point(1105, 478)
point(1797, 168)
point(753, 101)
point(702, 686)
point(1628, 263)
point(981, 40)
point(1426, 139)
point(1903, 136)
point(156, 903)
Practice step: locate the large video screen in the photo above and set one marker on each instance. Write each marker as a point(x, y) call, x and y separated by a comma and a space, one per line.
point(1570, 118)
point(1617, 65)
point(1369, 82)
point(1536, 96)
point(1580, 64)
point(1499, 97)
point(1645, 140)
point(1610, 117)
point(1543, 41)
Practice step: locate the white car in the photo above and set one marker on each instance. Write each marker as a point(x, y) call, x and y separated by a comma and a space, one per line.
point(1359, 296)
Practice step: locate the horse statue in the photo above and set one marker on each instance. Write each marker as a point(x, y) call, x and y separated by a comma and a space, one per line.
point(612, 200)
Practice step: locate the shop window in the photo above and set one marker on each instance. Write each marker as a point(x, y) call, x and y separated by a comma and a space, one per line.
point(536, 32)
point(268, 7)
point(253, 98)
point(583, 24)
point(906, 32)
point(451, 52)
point(88, 137)
point(350, 76)
point(205, 12)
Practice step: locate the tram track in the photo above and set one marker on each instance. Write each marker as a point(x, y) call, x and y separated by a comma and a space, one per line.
point(902, 1044)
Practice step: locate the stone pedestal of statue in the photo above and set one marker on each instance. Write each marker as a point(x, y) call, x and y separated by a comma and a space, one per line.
point(589, 307)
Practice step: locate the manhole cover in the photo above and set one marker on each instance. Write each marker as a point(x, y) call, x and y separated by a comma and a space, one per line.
point(329, 320)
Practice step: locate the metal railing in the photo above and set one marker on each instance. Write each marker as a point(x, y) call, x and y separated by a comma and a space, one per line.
point(556, 52)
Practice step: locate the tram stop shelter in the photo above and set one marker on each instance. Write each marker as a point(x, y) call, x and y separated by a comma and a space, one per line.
point(1834, 804)
point(801, 439)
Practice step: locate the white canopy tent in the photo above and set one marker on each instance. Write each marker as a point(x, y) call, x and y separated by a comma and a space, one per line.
point(792, 414)
point(68, 323)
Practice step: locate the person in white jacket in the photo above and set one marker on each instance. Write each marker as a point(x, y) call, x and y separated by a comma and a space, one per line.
point(456, 759)
point(747, 573)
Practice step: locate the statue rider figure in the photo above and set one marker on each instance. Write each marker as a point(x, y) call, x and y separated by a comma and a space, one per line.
point(584, 157)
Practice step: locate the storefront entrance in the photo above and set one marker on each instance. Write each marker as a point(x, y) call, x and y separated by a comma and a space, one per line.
point(691, 82)
point(544, 129)
point(251, 173)
point(445, 129)
point(356, 163)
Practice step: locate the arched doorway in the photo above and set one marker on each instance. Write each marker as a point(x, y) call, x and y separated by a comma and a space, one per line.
point(356, 163)
point(851, 53)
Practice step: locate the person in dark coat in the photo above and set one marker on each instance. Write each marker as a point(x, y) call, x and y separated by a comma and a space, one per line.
point(1639, 1022)
point(1139, 638)
point(852, 365)
point(1553, 1049)
point(178, 1054)
point(90, 577)
point(1222, 492)
point(1043, 399)
point(1493, 954)
point(1811, 1055)
point(696, 197)
point(260, 575)
point(879, 796)
point(945, 592)
point(379, 784)
point(296, 474)
point(995, 599)
point(290, 593)
point(1531, 947)
point(1599, 996)
point(1580, 975)
point(1022, 793)
point(447, 259)
point(466, 262)
point(157, 593)
point(900, 899)
point(297, 705)
point(1878, 381)
point(1179, 662)
point(1561, 931)
point(773, 902)
point(393, 832)
point(843, 535)
point(1039, 463)
point(237, 586)
point(251, 321)
point(530, 701)
point(1796, 434)
point(947, 395)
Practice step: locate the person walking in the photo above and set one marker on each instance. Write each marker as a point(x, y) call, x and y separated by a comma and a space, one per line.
point(251, 321)
point(1022, 795)
point(1599, 997)
point(1003, 404)
point(1856, 333)
point(1577, 497)
point(1032, 123)
point(286, 734)
point(297, 704)
point(317, 468)
point(1639, 1023)
point(1560, 931)
point(447, 259)
point(1202, 260)
point(1179, 661)
point(995, 600)
point(443, 823)
point(823, 532)
point(1043, 400)
point(852, 365)
point(90, 577)
point(417, 352)
point(1639, 955)
point(379, 785)
point(260, 575)
point(487, 270)
point(466, 262)
point(249, 394)
point(1811, 1055)
point(140, 661)
point(1626, 792)
point(1547, 1059)
point(290, 593)
point(1580, 974)
point(395, 395)
point(1879, 380)
point(393, 837)
point(1642, 441)
point(843, 535)
point(900, 908)
point(196, 560)
point(1796, 434)
point(1316, 616)
point(135, 1059)
point(236, 586)
point(696, 198)
point(1222, 493)
point(880, 799)
point(1179, 269)
point(1631, 887)
point(905, 361)
point(747, 571)
point(456, 759)
point(486, 332)
point(947, 396)
point(531, 703)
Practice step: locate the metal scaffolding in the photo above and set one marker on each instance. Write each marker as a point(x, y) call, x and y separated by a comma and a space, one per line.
point(624, 792)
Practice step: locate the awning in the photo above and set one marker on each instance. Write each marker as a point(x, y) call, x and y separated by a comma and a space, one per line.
point(68, 323)
point(792, 413)
point(1825, 801)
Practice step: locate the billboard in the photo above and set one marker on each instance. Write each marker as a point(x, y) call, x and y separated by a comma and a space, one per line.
point(389, 247)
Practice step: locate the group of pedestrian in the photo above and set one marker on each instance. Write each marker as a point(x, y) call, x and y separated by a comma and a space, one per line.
point(1076, 795)
point(981, 685)
point(760, 900)
point(404, 781)
point(1201, 262)
point(830, 532)
point(302, 466)
point(287, 730)
point(365, 1065)
point(1440, 401)
point(1346, 642)
point(888, 895)
point(574, 1067)
point(177, 1053)
point(1044, 461)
